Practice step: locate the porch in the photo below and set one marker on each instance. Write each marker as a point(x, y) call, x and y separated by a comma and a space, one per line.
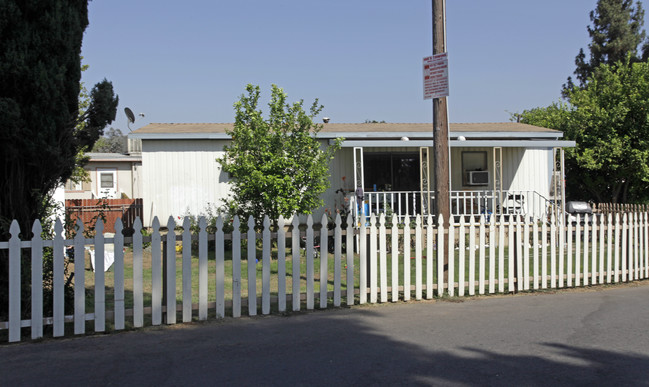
point(526, 203)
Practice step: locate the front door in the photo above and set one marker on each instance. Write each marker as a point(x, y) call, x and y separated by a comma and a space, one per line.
point(107, 183)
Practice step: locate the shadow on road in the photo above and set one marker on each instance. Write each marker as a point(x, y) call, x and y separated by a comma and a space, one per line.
point(342, 347)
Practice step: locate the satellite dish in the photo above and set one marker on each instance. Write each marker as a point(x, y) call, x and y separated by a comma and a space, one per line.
point(130, 116)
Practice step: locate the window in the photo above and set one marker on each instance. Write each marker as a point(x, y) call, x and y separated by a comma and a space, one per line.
point(71, 185)
point(475, 170)
point(106, 180)
point(391, 171)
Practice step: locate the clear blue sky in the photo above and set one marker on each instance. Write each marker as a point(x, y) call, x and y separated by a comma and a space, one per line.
point(189, 61)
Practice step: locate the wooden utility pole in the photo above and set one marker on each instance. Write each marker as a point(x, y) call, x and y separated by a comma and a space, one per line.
point(440, 127)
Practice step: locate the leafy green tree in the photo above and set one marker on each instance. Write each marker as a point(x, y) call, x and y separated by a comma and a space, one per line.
point(41, 135)
point(615, 33)
point(608, 118)
point(113, 141)
point(277, 165)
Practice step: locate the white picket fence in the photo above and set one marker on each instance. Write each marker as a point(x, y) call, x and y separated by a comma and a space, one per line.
point(503, 255)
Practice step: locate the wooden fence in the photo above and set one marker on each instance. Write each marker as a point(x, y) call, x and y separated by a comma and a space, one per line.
point(89, 210)
point(395, 262)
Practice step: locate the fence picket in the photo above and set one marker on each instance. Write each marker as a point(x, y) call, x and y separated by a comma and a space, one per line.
point(406, 259)
point(602, 228)
point(252, 267)
point(544, 255)
point(451, 262)
point(118, 247)
point(362, 264)
point(156, 273)
point(395, 259)
point(170, 267)
point(569, 263)
point(383, 259)
point(138, 274)
point(236, 267)
point(492, 255)
point(100, 287)
point(281, 264)
point(295, 262)
point(187, 270)
point(309, 263)
point(373, 260)
point(324, 264)
point(440, 256)
point(535, 254)
point(553, 252)
point(501, 254)
point(519, 253)
point(512, 256)
point(636, 267)
point(202, 268)
point(585, 266)
point(593, 251)
point(337, 260)
point(609, 248)
point(349, 278)
point(577, 251)
point(219, 261)
point(265, 268)
point(562, 240)
point(462, 258)
point(418, 266)
point(37, 283)
point(472, 248)
point(14, 283)
point(624, 246)
point(526, 253)
point(482, 256)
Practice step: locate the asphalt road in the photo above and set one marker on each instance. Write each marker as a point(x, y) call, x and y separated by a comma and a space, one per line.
point(596, 336)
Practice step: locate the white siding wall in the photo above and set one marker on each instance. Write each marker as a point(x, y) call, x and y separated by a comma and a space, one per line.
point(181, 177)
point(523, 169)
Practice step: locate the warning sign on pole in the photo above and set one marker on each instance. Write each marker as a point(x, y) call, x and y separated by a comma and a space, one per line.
point(436, 76)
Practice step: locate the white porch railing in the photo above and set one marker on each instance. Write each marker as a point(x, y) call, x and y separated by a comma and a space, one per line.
point(474, 203)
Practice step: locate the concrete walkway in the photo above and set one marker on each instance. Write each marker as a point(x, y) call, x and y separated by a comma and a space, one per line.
point(597, 336)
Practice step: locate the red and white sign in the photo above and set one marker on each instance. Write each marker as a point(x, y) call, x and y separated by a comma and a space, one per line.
point(436, 76)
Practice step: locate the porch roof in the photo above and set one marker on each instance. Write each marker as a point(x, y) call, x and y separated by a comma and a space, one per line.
point(364, 131)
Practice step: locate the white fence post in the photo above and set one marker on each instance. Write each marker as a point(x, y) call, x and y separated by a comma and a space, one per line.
point(37, 283)
point(324, 261)
point(219, 262)
point(236, 267)
point(281, 265)
point(362, 267)
point(295, 252)
point(337, 259)
point(118, 249)
point(406, 259)
point(100, 286)
point(138, 294)
point(265, 268)
point(171, 271)
point(202, 268)
point(395, 259)
point(252, 267)
point(383, 259)
point(450, 286)
point(350, 260)
point(462, 258)
point(418, 267)
point(156, 273)
point(440, 256)
point(14, 282)
point(309, 264)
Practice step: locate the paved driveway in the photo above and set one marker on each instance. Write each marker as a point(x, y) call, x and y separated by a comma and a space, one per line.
point(596, 336)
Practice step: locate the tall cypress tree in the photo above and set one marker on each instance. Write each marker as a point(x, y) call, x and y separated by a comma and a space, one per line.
point(40, 131)
point(616, 32)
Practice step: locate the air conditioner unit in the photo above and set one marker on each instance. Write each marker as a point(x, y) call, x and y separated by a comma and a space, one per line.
point(477, 177)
